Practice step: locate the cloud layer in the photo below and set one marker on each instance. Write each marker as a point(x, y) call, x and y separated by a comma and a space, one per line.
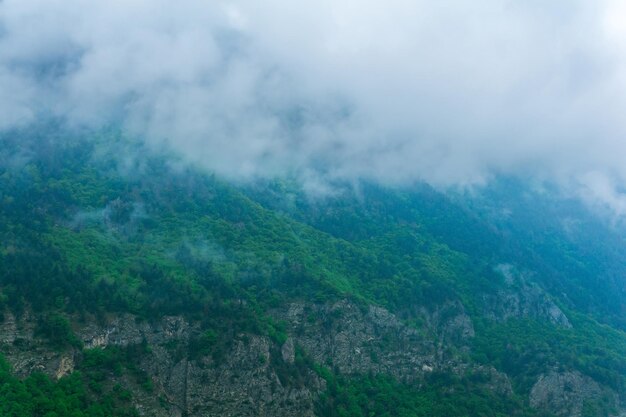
point(448, 92)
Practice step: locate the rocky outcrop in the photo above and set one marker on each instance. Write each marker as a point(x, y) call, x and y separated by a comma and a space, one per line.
point(352, 339)
point(242, 382)
point(357, 340)
point(66, 366)
point(245, 383)
point(26, 353)
point(254, 375)
point(288, 351)
point(449, 324)
point(521, 298)
point(564, 393)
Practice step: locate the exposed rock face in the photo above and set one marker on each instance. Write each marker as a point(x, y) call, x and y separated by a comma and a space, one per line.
point(242, 382)
point(288, 351)
point(361, 340)
point(564, 394)
point(246, 379)
point(449, 323)
point(522, 298)
point(356, 341)
point(28, 354)
point(66, 366)
point(254, 375)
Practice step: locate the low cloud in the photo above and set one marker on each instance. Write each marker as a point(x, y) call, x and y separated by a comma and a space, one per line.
point(448, 92)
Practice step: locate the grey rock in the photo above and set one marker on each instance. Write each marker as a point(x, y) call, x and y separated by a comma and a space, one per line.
point(563, 393)
point(521, 298)
point(288, 351)
point(246, 379)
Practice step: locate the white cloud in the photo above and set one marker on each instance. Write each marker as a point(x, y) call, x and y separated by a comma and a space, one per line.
point(444, 91)
point(602, 192)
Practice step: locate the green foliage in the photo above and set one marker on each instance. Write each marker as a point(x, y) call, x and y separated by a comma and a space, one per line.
point(57, 330)
point(440, 395)
point(525, 348)
point(78, 238)
point(576, 253)
point(203, 345)
point(100, 364)
point(38, 396)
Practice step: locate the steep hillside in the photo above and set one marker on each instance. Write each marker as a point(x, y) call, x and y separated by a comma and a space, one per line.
point(133, 284)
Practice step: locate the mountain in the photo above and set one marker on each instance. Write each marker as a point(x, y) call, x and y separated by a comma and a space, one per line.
point(132, 283)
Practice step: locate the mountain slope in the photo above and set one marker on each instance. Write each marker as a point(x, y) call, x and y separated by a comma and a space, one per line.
point(167, 289)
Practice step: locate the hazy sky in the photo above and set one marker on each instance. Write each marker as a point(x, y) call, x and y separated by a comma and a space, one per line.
point(446, 91)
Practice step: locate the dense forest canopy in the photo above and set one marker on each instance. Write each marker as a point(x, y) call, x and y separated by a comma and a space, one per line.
point(86, 234)
point(314, 208)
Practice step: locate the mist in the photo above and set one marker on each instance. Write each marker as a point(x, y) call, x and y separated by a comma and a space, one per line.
point(448, 92)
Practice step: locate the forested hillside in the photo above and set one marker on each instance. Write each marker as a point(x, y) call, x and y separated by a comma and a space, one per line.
point(132, 283)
